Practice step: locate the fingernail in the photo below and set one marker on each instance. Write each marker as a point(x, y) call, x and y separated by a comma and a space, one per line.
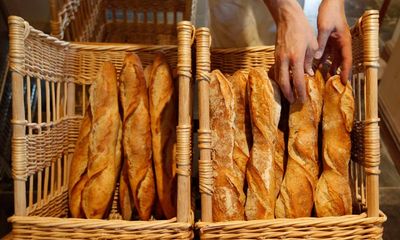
point(318, 54)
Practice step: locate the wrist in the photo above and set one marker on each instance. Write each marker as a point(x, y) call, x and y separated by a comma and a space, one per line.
point(334, 5)
point(283, 10)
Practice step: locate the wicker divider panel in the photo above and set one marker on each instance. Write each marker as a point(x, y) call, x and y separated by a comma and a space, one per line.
point(74, 228)
point(367, 220)
point(46, 147)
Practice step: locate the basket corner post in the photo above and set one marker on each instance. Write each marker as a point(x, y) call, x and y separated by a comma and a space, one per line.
point(370, 32)
point(19, 154)
point(184, 128)
point(18, 31)
point(203, 62)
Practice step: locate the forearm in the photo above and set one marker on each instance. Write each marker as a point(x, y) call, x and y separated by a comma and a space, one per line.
point(280, 9)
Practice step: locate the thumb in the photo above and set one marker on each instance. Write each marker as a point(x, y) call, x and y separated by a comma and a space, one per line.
point(323, 37)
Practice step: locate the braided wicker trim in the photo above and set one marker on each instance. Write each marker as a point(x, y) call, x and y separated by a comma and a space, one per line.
point(343, 227)
point(73, 228)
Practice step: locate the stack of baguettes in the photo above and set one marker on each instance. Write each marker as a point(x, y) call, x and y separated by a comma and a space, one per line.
point(128, 136)
point(262, 171)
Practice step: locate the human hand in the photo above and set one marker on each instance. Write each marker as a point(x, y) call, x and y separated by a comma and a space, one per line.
point(295, 47)
point(334, 37)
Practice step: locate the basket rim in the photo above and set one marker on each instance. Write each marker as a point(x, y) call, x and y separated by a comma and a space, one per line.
point(303, 221)
point(67, 223)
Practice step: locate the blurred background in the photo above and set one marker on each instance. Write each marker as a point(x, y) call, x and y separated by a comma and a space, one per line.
point(260, 29)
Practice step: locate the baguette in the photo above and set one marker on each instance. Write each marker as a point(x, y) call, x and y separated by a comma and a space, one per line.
point(265, 110)
point(147, 74)
point(126, 202)
point(104, 144)
point(333, 194)
point(279, 160)
point(228, 198)
point(137, 135)
point(242, 124)
point(163, 118)
point(77, 175)
point(298, 187)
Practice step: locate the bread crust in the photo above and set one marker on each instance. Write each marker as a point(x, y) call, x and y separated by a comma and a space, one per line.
point(228, 198)
point(137, 136)
point(297, 191)
point(333, 194)
point(265, 110)
point(78, 176)
point(163, 118)
point(104, 144)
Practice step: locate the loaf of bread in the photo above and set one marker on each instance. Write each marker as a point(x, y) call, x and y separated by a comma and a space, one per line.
point(333, 195)
point(78, 171)
point(137, 135)
point(126, 202)
point(279, 161)
point(147, 73)
point(104, 144)
point(296, 195)
point(265, 110)
point(242, 124)
point(163, 118)
point(228, 198)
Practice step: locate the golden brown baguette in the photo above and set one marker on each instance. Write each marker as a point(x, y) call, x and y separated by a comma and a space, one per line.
point(298, 187)
point(333, 195)
point(137, 135)
point(147, 74)
point(279, 159)
point(163, 118)
point(265, 110)
point(228, 198)
point(104, 144)
point(242, 124)
point(77, 174)
point(126, 202)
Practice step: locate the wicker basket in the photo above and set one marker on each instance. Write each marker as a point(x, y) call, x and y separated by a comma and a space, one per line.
point(365, 157)
point(44, 135)
point(130, 21)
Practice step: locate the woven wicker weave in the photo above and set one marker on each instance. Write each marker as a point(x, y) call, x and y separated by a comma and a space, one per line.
point(364, 173)
point(130, 21)
point(44, 136)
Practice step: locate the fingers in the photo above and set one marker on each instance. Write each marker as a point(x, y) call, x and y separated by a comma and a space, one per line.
point(346, 55)
point(298, 80)
point(323, 37)
point(308, 60)
point(282, 72)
